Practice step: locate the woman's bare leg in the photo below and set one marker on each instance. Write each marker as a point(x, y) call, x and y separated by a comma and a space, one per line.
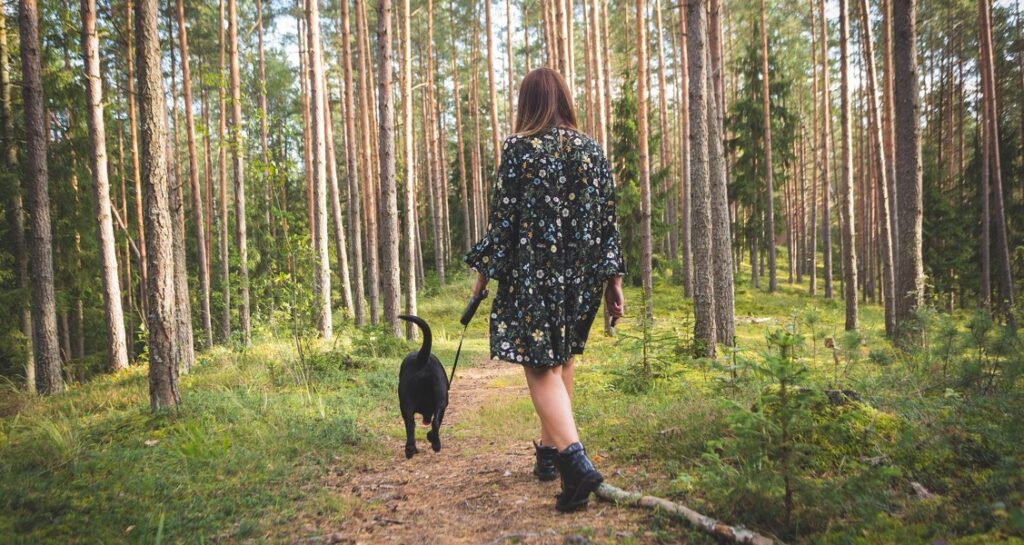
point(553, 405)
point(567, 375)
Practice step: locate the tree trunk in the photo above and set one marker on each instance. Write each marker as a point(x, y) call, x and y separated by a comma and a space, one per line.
point(889, 133)
point(826, 135)
point(238, 159)
point(645, 171)
point(846, 187)
point(491, 89)
point(340, 236)
point(685, 242)
point(193, 168)
point(16, 212)
point(318, 119)
point(264, 135)
point(117, 352)
point(877, 141)
point(389, 198)
point(44, 310)
point(223, 248)
point(910, 273)
point(136, 173)
point(352, 170)
point(1006, 299)
point(773, 282)
point(725, 312)
point(370, 194)
point(812, 231)
point(700, 190)
point(163, 364)
point(409, 165)
point(468, 221)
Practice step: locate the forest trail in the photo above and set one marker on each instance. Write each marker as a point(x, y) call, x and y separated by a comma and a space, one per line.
point(479, 489)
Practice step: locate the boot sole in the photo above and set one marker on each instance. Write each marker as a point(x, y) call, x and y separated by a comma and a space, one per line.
point(581, 497)
point(545, 478)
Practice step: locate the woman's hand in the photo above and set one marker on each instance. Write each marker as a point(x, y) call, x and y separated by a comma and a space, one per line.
point(614, 299)
point(479, 284)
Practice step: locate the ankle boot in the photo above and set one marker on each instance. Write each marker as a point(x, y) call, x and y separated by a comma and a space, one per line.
point(579, 478)
point(545, 468)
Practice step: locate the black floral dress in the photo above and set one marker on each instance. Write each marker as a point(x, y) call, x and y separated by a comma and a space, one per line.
point(551, 244)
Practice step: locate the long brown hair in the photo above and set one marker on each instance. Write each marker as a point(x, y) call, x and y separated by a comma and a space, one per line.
point(544, 102)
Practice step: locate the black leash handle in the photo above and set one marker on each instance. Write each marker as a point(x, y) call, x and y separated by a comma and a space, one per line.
point(467, 316)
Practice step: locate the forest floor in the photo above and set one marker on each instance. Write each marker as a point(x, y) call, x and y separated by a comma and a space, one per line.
point(295, 440)
point(478, 489)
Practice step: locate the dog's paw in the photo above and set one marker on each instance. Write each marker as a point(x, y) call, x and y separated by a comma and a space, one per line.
point(435, 441)
point(410, 450)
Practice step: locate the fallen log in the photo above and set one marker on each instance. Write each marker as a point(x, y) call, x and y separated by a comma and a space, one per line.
point(701, 522)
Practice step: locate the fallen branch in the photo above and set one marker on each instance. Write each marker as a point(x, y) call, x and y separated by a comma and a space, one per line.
point(701, 522)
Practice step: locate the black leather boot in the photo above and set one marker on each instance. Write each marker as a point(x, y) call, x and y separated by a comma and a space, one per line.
point(545, 468)
point(579, 478)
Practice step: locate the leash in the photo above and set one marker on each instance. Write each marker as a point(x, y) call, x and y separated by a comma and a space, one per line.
point(467, 316)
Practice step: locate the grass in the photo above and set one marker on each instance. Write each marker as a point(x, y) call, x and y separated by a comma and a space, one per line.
point(241, 460)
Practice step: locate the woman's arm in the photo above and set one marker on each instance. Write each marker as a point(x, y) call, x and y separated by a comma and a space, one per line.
point(492, 255)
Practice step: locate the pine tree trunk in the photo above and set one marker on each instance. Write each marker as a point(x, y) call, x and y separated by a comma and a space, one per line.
point(338, 217)
point(352, 170)
point(264, 136)
point(238, 160)
point(773, 282)
point(16, 212)
point(193, 168)
point(685, 242)
point(812, 230)
point(646, 252)
point(163, 354)
point(491, 89)
point(409, 176)
point(222, 189)
point(910, 273)
point(826, 135)
point(1006, 298)
point(725, 312)
point(846, 187)
point(117, 352)
point(700, 190)
point(389, 198)
point(468, 221)
point(44, 311)
point(889, 133)
point(136, 169)
point(371, 211)
point(881, 173)
point(318, 131)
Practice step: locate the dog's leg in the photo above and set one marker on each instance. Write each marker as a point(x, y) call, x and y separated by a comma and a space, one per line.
point(410, 433)
point(434, 435)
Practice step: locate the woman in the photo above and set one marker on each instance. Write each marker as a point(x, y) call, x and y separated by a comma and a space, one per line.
point(553, 246)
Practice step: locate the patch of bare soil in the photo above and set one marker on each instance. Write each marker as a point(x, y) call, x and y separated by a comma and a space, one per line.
point(478, 489)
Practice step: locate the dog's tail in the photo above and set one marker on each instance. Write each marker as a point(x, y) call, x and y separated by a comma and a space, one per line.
point(424, 354)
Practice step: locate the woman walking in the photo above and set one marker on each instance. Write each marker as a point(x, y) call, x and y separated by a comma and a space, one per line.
point(553, 246)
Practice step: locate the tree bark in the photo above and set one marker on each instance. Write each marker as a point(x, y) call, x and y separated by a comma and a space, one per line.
point(136, 170)
point(193, 169)
point(409, 165)
point(44, 310)
point(646, 252)
point(877, 142)
point(826, 135)
point(910, 273)
point(389, 198)
point(773, 282)
point(700, 190)
point(163, 364)
point(318, 118)
point(238, 160)
point(352, 170)
point(685, 220)
point(721, 244)
point(340, 236)
point(370, 194)
point(117, 351)
point(16, 212)
point(846, 187)
point(222, 187)
point(469, 223)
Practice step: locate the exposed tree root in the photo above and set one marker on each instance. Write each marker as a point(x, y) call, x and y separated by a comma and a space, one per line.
point(703, 523)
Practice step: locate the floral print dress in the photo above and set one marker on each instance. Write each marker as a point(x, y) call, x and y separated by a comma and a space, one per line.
point(551, 243)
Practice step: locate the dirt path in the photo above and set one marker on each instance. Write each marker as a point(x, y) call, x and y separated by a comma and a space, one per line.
point(478, 489)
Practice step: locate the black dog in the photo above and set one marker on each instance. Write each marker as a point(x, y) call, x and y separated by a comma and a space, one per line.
point(423, 389)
